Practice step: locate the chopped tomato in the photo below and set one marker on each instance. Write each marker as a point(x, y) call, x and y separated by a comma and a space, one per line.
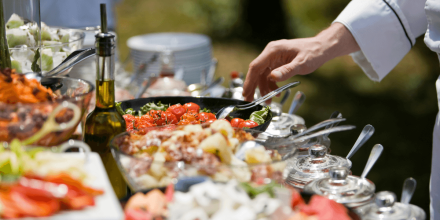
point(248, 124)
point(224, 120)
point(158, 116)
point(205, 116)
point(211, 120)
point(147, 118)
point(191, 106)
point(184, 122)
point(177, 110)
point(236, 122)
point(190, 116)
point(170, 118)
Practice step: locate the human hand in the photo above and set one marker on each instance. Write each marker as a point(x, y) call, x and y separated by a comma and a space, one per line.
point(283, 59)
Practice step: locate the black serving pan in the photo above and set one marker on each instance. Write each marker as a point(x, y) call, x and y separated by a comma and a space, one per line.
point(211, 103)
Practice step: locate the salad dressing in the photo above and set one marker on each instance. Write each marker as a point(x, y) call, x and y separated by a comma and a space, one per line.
point(104, 122)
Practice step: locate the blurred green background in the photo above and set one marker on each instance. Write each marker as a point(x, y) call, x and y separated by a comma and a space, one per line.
point(402, 107)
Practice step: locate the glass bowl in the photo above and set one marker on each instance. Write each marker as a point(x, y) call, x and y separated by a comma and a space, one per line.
point(145, 172)
point(53, 53)
point(24, 120)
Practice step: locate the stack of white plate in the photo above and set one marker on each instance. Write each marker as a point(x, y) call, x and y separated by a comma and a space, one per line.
point(192, 53)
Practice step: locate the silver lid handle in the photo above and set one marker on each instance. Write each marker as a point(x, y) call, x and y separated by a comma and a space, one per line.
point(317, 152)
point(385, 200)
point(338, 175)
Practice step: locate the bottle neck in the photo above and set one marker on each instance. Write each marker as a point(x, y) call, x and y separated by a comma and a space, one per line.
point(105, 81)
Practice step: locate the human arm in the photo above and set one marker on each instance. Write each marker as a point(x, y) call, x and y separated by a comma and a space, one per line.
point(384, 31)
point(283, 59)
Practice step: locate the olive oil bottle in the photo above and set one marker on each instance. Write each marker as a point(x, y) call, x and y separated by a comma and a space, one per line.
point(104, 122)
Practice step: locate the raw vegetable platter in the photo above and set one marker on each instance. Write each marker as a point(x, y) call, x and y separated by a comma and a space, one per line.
point(209, 103)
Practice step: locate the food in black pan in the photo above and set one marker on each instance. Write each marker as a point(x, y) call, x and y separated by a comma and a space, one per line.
point(159, 114)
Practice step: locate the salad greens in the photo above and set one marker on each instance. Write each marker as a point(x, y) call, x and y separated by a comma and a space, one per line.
point(260, 116)
point(144, 109)
point(152, 106)
point(254, 191)
point(15, 161)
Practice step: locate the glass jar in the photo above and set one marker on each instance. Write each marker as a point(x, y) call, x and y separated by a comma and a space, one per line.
point(385, 207)
point(343, 188)
point(317, 164)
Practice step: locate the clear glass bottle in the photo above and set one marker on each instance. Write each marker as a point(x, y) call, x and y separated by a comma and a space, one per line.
point(104, 122)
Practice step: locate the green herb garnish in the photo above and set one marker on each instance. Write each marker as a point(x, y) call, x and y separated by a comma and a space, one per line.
point(260, 116)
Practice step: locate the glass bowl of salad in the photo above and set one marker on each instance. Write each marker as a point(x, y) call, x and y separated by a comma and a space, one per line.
point(26, 105)
point(157, 156)
point(24, 44)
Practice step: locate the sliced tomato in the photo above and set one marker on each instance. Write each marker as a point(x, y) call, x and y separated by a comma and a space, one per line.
point(236, 122)
point(178, 110)
point(248, 124)
point(137, 214)
point(191, 106)
point(169, 193)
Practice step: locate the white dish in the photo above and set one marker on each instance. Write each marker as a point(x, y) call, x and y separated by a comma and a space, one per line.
point(107, 206)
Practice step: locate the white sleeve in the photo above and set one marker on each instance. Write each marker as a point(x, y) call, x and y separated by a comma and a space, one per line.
point(385, 30)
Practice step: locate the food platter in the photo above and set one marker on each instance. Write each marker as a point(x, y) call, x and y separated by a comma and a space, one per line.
point(107, 206)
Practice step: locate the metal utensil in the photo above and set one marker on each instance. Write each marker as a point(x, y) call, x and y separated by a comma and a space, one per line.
point(318, 126)
point(208, 90)
point(285, 97)
point(211, 70)
point(73, 59)
point(325, 131)
point(144, 88)
point(141, 68)
point(366, 133)
point(374, 155)
point(224, 112)
point(335, 114)
point(409, 186)
point(298, 100)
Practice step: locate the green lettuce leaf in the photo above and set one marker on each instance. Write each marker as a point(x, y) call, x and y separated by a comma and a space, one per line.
point(153, 106)
point(260, 116)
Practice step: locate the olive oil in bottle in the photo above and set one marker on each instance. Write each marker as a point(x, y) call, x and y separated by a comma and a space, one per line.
point(104, 122)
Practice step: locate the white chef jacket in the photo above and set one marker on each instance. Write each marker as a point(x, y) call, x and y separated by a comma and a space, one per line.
point(385, 30)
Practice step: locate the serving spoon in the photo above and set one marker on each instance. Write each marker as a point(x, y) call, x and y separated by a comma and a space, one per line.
point(409, 186)
point(74, 58)
point(366, 133)
point(374, 155)
point(224, 112)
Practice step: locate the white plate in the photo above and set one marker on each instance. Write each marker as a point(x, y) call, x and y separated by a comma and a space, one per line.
point(107, 206)
point(171, 41)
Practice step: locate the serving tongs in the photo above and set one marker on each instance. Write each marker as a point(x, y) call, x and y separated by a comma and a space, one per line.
point(224, 112)
point(74, 58)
